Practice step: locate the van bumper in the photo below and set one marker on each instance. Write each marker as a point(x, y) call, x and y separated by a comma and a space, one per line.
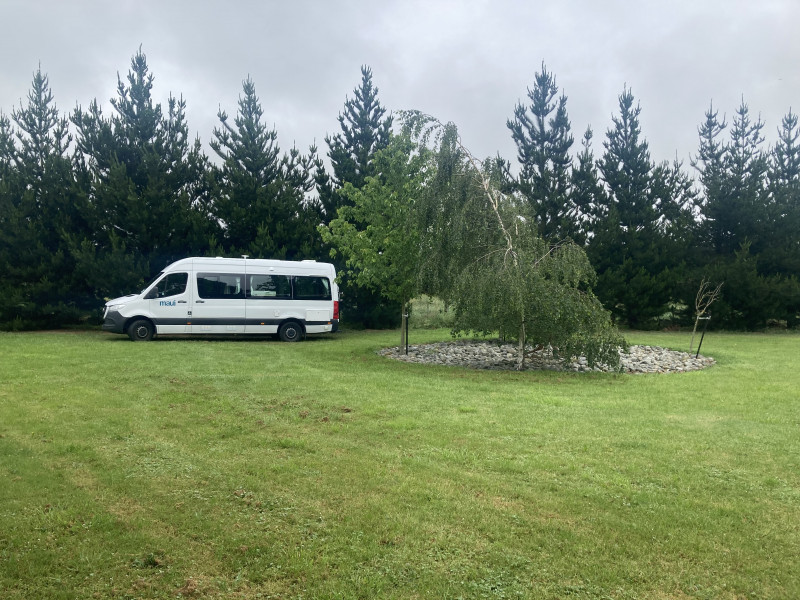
point(114, 322)
point(334, 325)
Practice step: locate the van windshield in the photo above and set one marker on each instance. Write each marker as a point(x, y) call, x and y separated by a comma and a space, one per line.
point(151, 282)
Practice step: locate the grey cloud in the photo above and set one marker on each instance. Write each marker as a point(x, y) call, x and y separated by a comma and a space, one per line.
point(469, 62)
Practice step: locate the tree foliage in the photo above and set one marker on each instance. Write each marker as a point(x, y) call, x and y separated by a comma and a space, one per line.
point(41, 208)
point(749, 214)
point(365, 130)
point(541, 132)
point(147, 204)
point(376, 232)
point(500, 275)
point(587, 192)
point(782, 254)
point(260, 195)
point(635, 268)
point(91, 205)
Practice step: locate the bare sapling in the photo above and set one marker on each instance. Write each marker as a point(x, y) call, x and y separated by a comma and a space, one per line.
point(706, 296)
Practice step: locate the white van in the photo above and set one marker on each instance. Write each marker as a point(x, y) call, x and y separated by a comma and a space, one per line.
point(231, 296)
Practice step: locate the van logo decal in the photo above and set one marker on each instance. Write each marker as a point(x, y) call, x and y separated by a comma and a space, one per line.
point(167, 303)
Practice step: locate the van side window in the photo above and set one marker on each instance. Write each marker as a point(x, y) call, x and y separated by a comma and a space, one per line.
point(220, 286)
point(172, 285)
point(311, 288)
point(269, 286)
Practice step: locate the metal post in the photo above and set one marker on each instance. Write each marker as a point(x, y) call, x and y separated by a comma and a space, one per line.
point(405, 318)
point(706, 319)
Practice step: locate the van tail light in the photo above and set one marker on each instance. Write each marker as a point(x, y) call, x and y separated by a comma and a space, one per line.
point(335, 309)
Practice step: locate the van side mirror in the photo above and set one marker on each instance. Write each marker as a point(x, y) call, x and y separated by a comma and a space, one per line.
point(152, 294)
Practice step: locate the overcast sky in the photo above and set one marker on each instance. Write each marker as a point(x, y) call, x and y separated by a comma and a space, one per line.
point(465, 61)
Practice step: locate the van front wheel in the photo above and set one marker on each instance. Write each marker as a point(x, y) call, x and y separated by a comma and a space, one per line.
point(141, 331)
point(290, 332)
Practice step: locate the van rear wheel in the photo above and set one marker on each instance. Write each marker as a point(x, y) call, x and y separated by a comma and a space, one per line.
point(141, 331)
point(291, 332)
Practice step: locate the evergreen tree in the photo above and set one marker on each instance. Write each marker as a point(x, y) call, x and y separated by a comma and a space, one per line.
point(744, 215)
point(751, 298)
point(676, 241)
point(588, 199)
point(541, 132)
point(733, 175)
point(7, 149)
point(634, 278)
point(747, 228)
point(41, 211)
point(782, 254)
point(261, 195)
point(10, 224)
point(675, 201)
point(710, 163)
point(365, 131)
point(626, 168)
point(147, 197)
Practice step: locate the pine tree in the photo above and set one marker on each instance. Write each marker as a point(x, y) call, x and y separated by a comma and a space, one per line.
point(710, 163)
point(733, 176)
point(744, 215)
point(43, 210)
point(676, 203)
point(147, 196)
point(11, 222)
point(8, 150)
point(634, 278)
point(782, 254)
point(588, 200)
point(365, 131)
point(626, 168)
point(784, 169)
point(260, 196)
point(677, 239)
point(742, 229)
point(541, 132)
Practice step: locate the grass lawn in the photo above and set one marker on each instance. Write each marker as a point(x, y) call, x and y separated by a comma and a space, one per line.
point(259, 469)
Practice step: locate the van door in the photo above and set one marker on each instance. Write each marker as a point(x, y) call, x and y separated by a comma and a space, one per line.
point(269, 298)
point(170, 301)
point(218, 303)
point(316, 299)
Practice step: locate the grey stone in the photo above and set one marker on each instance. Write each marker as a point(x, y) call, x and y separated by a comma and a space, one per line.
point(495, 355)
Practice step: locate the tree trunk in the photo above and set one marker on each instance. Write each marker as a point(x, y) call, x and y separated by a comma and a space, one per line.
point(521, 359)
point(403, 319)
point(694, 330)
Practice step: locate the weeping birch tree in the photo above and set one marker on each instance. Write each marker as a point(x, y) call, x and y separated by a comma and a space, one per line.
point(482, 254)
point(431, 219)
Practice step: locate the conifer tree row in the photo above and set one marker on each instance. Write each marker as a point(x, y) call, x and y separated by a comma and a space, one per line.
point(651, 234)
point(92, 205)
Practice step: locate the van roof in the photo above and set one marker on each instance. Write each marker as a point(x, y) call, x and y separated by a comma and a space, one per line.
point(254, 262)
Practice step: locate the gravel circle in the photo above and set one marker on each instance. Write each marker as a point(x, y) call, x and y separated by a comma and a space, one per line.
point(495, 355)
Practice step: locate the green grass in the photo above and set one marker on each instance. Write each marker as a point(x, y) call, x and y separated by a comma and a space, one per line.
point(256, 469)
